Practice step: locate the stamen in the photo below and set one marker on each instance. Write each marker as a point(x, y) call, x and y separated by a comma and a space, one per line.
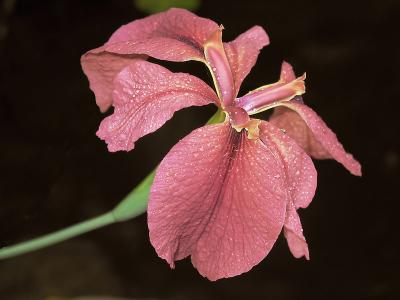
point(220, 69)
point(260, 99)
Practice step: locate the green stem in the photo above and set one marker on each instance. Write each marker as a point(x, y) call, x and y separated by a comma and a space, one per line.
point(134, 204)
point(58, 236)
point(218, 117)
point(131, 206)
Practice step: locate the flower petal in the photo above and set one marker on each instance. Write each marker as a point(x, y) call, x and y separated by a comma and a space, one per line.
point(300, 173)
point(175, 35)
point(313, 135)
point(219, 67)
point(219, 197)
point(242, 52)
point(287, 88)
point(294, 233)
point(146, 95)
point(301, 182)
point(291, 122)
point(101, 68)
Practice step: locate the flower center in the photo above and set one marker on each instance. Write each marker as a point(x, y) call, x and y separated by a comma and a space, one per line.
point(240, 120)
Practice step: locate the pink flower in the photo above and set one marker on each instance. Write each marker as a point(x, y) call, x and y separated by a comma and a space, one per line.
point(223, 193)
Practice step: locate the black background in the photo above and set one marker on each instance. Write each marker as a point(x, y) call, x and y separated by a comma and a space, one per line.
point(56, 172)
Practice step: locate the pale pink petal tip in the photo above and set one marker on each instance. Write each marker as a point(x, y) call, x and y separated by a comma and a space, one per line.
point(145, 96)
point(294, 233)
point(297, 245)
point(220, 198)
point(287, 73)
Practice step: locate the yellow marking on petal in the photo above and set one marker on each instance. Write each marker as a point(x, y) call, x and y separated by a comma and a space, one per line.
point(297, 87)
point(252, 128)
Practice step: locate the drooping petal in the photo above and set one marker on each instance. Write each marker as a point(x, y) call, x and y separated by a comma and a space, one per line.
point(300, 173)
point(146, 95)
point(293, 232)
point(175, 35)
point(101, 68)
point(301, 183)
point(219, 197)
point(313, 135)
point(242, 53)
point(294, 125)
point(287, 88)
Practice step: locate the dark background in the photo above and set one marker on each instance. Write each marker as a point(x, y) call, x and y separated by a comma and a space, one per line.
point(56, 172)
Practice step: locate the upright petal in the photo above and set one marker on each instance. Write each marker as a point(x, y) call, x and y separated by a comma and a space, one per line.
point(219, 197)
point(101, 68)
point(146, 95)
point(242, 53)
point(316, 138)
point(176, 35)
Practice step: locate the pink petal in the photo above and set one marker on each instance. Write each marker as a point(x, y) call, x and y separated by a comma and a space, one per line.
point(238, 117)
point(301, 182)
point(242, 53)
point(101, 67)
point(219, 197)
point(146, 95)
point(294, 233)
point(294, 125)
point(300, 173)
point(287, 73)
point(176, 35)
point(313, 135)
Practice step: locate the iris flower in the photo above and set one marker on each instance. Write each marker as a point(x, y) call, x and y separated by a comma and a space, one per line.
point(222, 194)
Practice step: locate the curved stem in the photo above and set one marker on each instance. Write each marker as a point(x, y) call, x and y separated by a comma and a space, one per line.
point(58, 236)
point(134, 204)
point(131, 206)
